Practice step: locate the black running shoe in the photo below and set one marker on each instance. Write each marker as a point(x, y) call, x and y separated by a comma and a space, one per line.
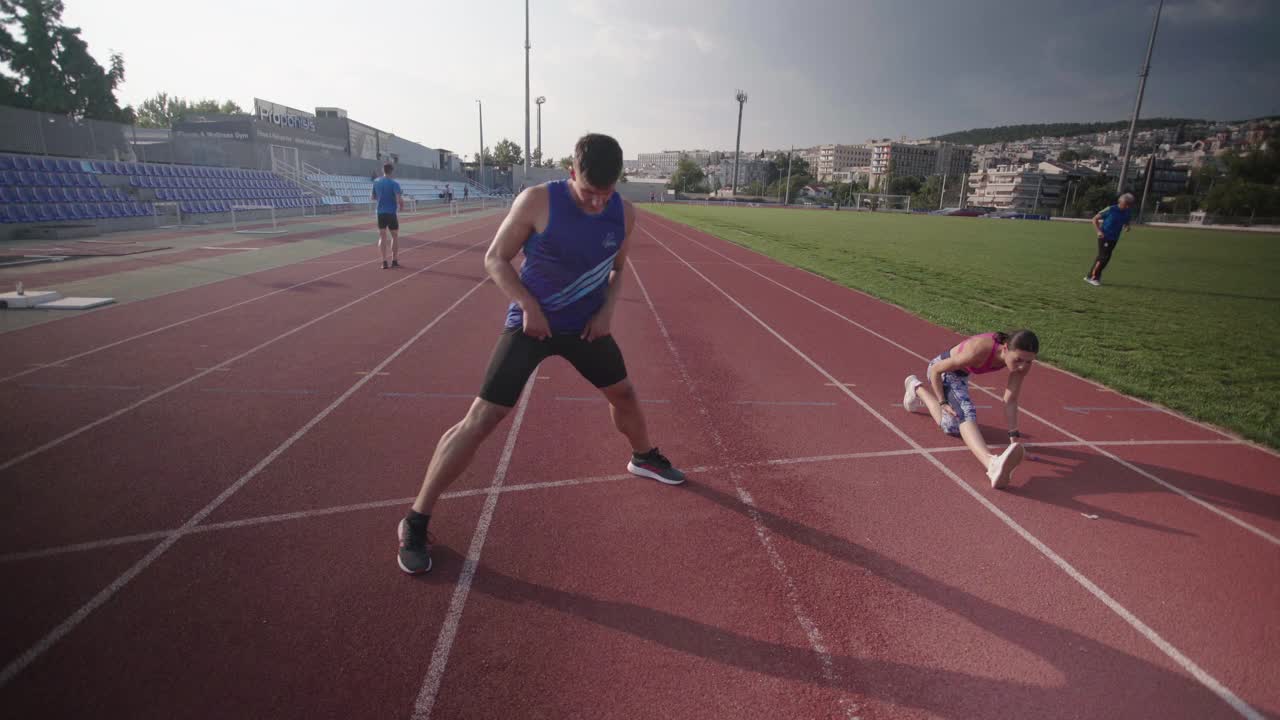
point(415, 549)
point(395, 263)
point(653, 465)
point(384, 265)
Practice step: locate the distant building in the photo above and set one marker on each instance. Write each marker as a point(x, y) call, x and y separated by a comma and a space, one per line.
point(1021, 188)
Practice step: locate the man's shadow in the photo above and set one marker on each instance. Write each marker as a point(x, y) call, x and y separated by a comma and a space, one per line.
point(1096, 679)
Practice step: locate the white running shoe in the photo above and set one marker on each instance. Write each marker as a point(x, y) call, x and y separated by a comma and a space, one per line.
point(1002, 465)
point(911, 402)
point(1095, 283)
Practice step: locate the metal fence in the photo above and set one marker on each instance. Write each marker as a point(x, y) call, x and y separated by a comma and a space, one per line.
point(37, 133)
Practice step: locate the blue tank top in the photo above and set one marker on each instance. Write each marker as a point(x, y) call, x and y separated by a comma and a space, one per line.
point(566, 267)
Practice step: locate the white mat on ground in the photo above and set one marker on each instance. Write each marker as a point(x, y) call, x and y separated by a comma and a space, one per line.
point(30, 299)
point(76, 303)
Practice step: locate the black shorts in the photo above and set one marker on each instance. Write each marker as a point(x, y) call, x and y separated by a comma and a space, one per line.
point(389, 221)
point(517, 355)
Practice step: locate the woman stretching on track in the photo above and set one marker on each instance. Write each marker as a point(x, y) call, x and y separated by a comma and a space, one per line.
point(948, 379)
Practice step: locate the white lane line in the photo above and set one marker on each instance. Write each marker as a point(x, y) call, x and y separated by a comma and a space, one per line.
point(1186, 663)
point(193, 318)
point(48, 641)
point(811, 630)
point(1274, 540)
point(453, 616)
point(220, 366)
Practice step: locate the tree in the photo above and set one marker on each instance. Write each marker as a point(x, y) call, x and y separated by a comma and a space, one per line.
point(929, 195)
point(1092, 195)
point(779, 187)
point(52, 69)
point(1239, 197)
point(535, 158)
point(566, 163)
point(905, 185)
point(507, 153)
point(688, 177)
point(163, 110)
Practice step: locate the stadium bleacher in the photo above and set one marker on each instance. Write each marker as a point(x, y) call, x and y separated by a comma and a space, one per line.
point(357, 189)
point(36, 189)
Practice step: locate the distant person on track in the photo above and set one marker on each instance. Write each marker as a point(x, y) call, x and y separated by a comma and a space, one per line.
point(390, 200)
point(1108, 223)
point(575, 236)
point(946, 394)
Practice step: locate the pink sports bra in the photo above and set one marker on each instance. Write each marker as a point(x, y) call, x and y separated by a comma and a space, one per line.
point(986, 366)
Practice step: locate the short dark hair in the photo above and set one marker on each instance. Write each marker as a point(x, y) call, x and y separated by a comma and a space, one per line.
point(599, 157)
point(388, 168)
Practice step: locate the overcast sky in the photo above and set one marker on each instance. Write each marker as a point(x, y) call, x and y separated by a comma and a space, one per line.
point(661, 74)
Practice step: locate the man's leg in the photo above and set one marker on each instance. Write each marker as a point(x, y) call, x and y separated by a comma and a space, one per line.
point(628, 418)
point(600, 362)
point(395, 241)
point(383, 242)
point(456, 449)
point(514, 359)
point(1105, 247)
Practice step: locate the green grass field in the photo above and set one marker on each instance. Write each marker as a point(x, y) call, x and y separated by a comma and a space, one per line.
point(1189, 319)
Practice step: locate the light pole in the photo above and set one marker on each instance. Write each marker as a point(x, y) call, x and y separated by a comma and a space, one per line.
point(737, 148)
point(1142, 83)
point(526, 88)
point(480, 176)
point(541, 99)
point(786, 197)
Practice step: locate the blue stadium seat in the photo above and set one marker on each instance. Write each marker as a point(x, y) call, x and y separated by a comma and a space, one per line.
point(6, 162)
point(9, 177)
point(62, 166)
point(9, 194)
point(145, 209)
point(5, 216)
point(23, 213)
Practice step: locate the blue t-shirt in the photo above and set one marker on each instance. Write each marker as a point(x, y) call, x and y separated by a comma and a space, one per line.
point(386, 190)
point(567, 266)
point(1113, 221)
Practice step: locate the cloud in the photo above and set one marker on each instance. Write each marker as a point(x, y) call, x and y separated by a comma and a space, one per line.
point(1215, 10)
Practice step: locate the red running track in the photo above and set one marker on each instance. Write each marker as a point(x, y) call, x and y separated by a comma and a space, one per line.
point(43, 275)
point(225, 548)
